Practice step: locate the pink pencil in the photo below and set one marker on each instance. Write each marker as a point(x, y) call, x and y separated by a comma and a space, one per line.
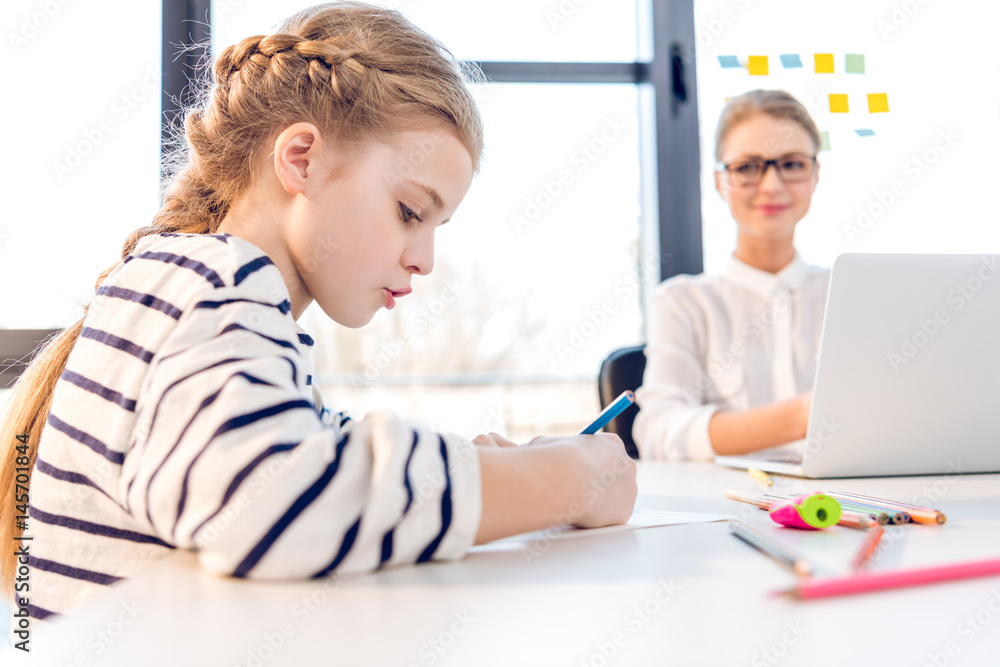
point(873, 581)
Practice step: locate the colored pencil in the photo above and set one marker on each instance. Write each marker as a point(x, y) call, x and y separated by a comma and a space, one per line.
point(809, 589)
point(868, 546)
point(763, 543)
point(761, 476)
point(895, 516)
point(917, 513)
point(615, 408)
point(757, 500)
point(856, 520)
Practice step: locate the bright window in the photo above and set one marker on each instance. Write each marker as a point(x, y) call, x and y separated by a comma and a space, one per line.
point(515, 30)
point(82, 146)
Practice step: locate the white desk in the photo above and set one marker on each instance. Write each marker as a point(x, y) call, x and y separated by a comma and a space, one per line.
point(593, 601)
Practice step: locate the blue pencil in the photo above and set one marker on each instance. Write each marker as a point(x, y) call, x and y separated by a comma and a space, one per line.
point(614, 409)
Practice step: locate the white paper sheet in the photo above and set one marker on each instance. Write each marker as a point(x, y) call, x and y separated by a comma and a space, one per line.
point(641, 518)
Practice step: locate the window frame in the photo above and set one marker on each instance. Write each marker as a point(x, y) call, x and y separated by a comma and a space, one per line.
point(670, 73)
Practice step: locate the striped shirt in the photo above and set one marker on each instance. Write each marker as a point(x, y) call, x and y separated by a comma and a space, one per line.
point(186, 418)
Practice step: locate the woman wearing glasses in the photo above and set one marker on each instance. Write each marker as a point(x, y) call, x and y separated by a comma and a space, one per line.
point(731, 358)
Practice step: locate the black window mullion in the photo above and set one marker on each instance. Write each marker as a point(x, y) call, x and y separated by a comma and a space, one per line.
point(672, 74)
point(185, 23)
point(553, 72)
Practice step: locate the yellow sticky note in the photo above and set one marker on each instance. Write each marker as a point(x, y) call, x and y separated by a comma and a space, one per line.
point(878, 102)
point(757, 65)
point(824, 63)
point(838, 103)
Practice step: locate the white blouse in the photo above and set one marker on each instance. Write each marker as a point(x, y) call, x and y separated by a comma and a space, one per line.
point(734, 341)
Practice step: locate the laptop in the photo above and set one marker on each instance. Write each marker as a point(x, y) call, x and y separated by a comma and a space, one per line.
point(908, 380)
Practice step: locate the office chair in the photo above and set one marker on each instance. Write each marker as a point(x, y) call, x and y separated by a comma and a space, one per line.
point(16, 351)
point(621, 370)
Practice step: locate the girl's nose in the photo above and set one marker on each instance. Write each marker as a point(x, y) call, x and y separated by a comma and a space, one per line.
point(419, 254)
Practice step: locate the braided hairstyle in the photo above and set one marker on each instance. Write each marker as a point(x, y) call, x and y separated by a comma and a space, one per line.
point(357, 72)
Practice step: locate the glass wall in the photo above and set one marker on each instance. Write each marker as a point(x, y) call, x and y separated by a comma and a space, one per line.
point(907, 97)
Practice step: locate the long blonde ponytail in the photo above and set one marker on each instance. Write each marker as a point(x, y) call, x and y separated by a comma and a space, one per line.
point(20, 431)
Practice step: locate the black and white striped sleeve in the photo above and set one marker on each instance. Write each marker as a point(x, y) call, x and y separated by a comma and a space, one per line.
point(232, 458)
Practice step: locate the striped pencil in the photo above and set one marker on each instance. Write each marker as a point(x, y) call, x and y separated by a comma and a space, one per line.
point(917, 513)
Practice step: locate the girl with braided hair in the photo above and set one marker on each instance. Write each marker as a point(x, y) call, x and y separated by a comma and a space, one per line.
point(179, 412)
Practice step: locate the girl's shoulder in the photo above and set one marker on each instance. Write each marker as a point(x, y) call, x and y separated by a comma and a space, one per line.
point(219, 247)
point(224, 253)
point(192, 264)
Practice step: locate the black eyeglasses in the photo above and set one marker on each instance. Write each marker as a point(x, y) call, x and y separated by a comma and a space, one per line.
point(791, 168)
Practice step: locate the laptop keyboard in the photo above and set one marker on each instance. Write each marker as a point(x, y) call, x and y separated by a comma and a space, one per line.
point(785, 457)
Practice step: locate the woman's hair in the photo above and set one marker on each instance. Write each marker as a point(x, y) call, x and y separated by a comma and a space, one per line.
point(775, 103)
point(358, 73)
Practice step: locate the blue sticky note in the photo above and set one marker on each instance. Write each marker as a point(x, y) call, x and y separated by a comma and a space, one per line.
point(790, 60)
point(865, 133)
point(729, 61)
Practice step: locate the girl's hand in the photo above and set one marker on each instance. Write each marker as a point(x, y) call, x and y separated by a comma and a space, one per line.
point(581, 480)
point(492, 439)
point(609, 492)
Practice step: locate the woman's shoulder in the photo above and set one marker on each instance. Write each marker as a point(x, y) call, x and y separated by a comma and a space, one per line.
point(816, 270)
point(694, 299)
point(686, 285)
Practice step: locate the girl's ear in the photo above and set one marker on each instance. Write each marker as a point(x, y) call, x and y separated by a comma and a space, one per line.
point(296, 155)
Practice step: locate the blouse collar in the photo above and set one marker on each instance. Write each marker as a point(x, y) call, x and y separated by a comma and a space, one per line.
point(792, 277)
